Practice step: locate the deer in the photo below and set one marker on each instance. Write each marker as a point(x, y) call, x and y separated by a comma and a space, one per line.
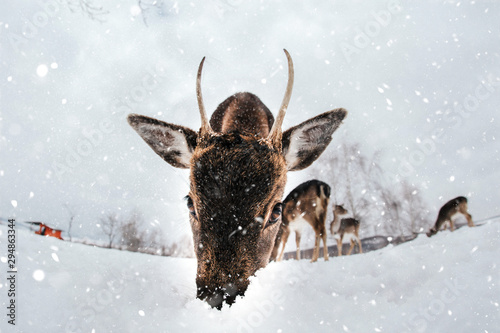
point(448, 211)
point(341, 227)
point(238, 163)
point(306, 205)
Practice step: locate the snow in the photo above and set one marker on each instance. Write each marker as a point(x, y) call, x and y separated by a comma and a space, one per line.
point(42, 70)
point(447, 283)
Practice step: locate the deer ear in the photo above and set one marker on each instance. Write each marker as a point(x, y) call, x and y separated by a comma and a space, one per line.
point(304, 143)
point(175, 144)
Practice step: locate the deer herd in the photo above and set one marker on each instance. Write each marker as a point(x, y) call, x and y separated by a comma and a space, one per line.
point(238, 163)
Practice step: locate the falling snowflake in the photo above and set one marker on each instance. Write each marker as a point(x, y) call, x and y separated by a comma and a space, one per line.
point(38, 275)
point(42, 70)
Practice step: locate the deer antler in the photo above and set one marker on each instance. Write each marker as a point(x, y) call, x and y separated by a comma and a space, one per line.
point(205, 125)
point(276, 132)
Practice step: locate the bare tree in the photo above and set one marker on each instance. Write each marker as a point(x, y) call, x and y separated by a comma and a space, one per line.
point(110, 226)
point(357, 174)
point(154, 243)
point(131, 237)
point(418, 213)
point(88, 8)
point(379, 200)
point(348, 174)
point(391, 201)
point(393, 206)
point(404, 210)
point(130, 234)
point(72, 214)
point(152, 7)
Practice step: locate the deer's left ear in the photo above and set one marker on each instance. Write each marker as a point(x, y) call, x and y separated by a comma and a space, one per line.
point(304, 143)
point(175, 144)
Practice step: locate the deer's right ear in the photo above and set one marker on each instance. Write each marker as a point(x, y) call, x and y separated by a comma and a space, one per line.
point(175, 144)
point(302, 144)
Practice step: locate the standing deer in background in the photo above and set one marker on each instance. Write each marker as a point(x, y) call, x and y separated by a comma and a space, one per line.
point(341, 227)
point(448, 211)
point(238, 164)
point(305, 206)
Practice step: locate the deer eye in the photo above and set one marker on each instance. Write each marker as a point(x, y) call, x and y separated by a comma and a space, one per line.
point(190, 206)
point(276, 214)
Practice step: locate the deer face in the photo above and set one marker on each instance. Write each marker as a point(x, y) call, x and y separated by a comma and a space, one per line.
point(431, 232)
point(237, 181)
point(236, 188)
point(340, 210)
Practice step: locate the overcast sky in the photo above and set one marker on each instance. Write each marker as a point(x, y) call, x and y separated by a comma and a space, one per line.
point(421, 82)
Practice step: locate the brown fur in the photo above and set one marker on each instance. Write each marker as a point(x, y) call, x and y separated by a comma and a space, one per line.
point(233, 115)
point(449, 209)
point(345, 226)
point(308, 201)
point(237, 175)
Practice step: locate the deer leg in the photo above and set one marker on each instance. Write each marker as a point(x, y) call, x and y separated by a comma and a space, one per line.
point(360, 246)
point(470, 223)
point(339, 246)
point(350, 248)
point(316, 248)
point(297, 241)
point(284, 239)
point(445, 226)
point(325, 247)
point(322, 220)
point(452, 225)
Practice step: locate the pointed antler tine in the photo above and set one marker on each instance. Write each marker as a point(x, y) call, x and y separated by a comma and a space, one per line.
point(276, 130)
point(205, 125)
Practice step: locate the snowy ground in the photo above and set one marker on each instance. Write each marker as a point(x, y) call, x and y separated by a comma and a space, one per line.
point(448, 283)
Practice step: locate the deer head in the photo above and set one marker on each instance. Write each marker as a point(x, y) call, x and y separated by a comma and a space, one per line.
point(339, 210)
point(238, 164)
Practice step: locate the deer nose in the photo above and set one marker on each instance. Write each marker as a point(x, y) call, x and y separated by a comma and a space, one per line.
point(214, 298)
point(218, 295)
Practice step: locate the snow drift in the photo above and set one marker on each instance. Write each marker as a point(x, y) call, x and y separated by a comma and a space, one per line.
point(450, 282)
